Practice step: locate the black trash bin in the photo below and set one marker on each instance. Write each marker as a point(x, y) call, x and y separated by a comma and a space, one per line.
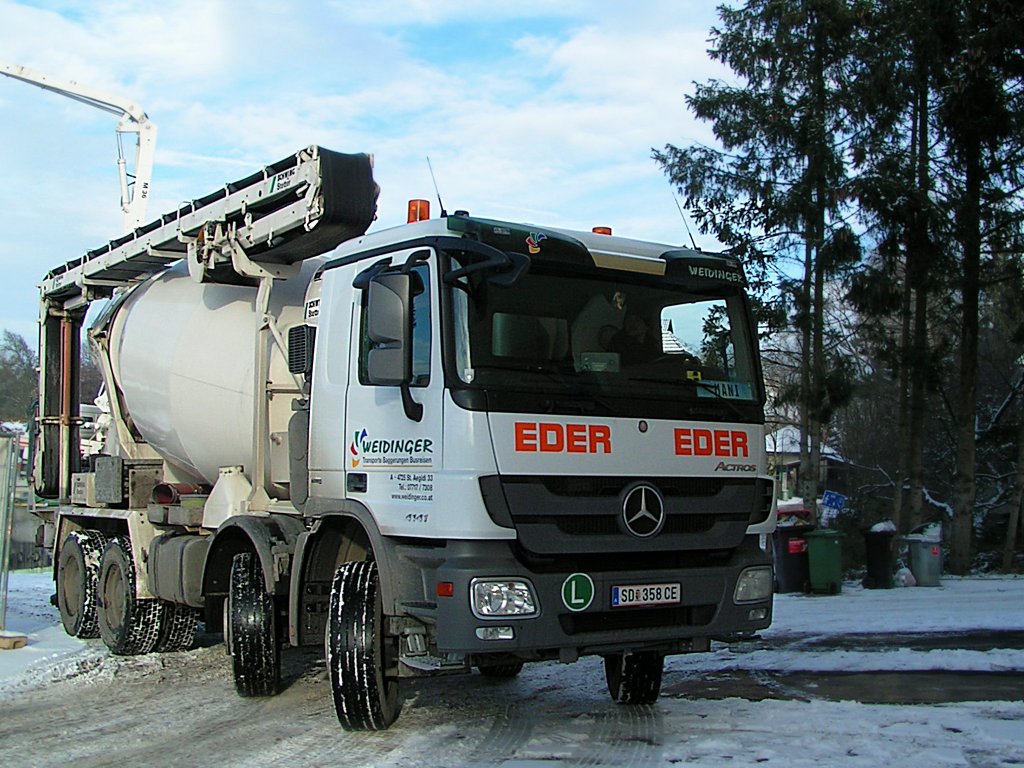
point(792, 572)
point(880, 557)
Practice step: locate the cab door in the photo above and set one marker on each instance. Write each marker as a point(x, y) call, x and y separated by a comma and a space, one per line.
point(394, 431)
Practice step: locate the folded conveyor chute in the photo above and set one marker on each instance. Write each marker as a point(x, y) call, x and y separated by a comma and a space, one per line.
point(297, 208)
point(250, 232)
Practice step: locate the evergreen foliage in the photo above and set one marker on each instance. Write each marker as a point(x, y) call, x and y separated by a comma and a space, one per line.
point(17, 378)
point(868, 166)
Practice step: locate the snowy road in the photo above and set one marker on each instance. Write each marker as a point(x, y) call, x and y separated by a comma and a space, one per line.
point(765, 703)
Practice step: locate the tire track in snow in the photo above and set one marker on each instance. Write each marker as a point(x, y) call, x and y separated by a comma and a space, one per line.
point(510, 731)
point(631, 736)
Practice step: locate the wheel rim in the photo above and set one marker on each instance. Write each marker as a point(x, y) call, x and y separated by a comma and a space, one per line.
point(71, 589)
point(114, 591)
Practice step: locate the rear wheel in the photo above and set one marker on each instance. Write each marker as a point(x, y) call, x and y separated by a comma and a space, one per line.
point(634, 678)
point(361, 659)
point(128, 625)
point(178, 625)
point(78, 570)
point(252, 630)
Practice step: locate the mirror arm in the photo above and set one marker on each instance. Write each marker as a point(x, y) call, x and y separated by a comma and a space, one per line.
point(363, 279)
point(413, 410)
point(499, 260)
point(414, 258)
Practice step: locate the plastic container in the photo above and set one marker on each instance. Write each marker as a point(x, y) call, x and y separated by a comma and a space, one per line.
point(789, 544)
point(880, 554)
point(825, 561)
point(924, 547)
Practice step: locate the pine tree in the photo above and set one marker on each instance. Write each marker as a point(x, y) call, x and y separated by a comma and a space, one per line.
point(980, 115)
point(776, 193)
point(894, 148)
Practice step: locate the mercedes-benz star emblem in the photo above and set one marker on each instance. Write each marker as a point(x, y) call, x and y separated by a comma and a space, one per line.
point(643, 511)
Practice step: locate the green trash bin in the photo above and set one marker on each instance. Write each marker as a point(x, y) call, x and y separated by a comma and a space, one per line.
point(825, 561)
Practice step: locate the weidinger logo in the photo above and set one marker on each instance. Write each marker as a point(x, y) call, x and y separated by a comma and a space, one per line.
point(402, 452)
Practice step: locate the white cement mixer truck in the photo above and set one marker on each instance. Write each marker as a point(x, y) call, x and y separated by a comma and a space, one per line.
point(457, 444)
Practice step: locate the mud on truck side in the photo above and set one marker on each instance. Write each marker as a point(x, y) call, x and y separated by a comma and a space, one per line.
point(457, 443)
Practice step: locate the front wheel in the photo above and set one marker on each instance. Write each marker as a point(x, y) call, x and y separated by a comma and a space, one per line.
point(634, 678)
point(361, 659)
point(251, 632)
point(501, 671)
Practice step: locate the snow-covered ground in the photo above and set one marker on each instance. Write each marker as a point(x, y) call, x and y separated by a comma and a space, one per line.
point(959, 605)
point(557, 714)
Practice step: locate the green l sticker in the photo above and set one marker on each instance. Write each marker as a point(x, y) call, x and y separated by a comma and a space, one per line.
point(578, 592)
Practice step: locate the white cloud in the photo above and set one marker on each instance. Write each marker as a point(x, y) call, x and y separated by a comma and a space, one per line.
point(402, 13)
point(550, 116)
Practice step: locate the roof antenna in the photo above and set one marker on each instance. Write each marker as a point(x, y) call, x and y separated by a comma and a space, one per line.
point(437, 191)
point(683, 216)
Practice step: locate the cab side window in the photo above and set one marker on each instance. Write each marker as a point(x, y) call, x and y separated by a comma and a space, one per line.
point(421, 330)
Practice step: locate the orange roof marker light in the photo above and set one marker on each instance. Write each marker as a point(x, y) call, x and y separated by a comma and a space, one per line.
point(602, 230)
point(419, 210)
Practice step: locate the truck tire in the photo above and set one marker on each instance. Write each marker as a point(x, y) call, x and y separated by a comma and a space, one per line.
point(634, 678)
point(252, 634)
point(501, 671)
point(128, 625)
point(178, 625)
point(358, 653)
point(78, 570)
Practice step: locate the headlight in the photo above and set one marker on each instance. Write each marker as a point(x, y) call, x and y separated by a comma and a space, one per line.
point(502, 597)
point(753, 585)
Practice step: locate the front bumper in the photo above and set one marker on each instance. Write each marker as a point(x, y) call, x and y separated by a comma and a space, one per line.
point(706, 609)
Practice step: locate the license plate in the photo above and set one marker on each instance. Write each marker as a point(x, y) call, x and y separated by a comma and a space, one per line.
point(645, 594)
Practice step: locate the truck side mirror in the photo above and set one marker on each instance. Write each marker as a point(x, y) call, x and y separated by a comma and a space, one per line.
point(389, 359)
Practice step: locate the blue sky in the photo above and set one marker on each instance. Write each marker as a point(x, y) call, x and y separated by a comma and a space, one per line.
point(541, 112)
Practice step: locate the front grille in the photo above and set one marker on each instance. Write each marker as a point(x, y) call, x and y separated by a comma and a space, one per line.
point(581, 525)
point(606, 525)
point(688, 616)
point(573, 515)
point(573, 486)
point(589, 561)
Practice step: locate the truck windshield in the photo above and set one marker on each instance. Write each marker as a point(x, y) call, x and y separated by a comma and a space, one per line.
point(608, 333)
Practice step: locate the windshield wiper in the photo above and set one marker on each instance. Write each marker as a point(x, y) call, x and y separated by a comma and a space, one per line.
point(585, 405)
point(504, 268)
point(528, 367)
point(550, 371)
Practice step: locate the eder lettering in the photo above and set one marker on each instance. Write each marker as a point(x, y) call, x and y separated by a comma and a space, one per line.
point(712, 442)
point(551, 437)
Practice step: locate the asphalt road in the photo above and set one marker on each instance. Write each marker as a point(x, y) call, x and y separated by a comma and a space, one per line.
point(180, 709)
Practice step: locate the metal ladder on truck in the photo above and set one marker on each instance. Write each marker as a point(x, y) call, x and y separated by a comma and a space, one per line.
point(250, 232)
